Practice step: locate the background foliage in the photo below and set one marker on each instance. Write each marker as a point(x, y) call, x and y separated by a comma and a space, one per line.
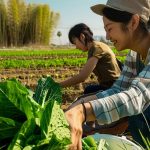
point(22, 23)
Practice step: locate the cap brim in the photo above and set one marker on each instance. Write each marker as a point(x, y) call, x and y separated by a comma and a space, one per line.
point(98, 9)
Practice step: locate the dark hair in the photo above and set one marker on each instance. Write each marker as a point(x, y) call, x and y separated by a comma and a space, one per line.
point(76, 30)
point(124, 18)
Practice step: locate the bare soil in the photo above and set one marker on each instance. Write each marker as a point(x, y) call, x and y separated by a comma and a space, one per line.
point(30, 77)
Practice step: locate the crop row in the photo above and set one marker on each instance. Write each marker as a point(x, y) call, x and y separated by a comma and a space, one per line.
point(67, 52)
point(64, 52)
point(6, 64)
point(40, 57)
point(44, 58)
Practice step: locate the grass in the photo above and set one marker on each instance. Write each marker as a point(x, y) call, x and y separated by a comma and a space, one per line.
point(146, 141)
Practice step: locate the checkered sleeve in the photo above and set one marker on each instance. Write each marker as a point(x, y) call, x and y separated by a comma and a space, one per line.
point(131, 100)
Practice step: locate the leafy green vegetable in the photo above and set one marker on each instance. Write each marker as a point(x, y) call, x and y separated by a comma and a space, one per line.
point(53, 122)
point(15, 101)
point(19, 140)
point(46, 90)
point(32, 121)
point(8, 128)
point(88, 143)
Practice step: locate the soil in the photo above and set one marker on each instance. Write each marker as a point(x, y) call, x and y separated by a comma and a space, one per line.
point(30, 77)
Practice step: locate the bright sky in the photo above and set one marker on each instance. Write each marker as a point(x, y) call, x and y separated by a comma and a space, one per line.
point(71, 13)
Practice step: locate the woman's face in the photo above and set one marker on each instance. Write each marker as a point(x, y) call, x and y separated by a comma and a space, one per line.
point(115, 33)
point(79, 44)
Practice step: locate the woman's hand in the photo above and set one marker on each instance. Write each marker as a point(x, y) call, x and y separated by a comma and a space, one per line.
point(75, 118)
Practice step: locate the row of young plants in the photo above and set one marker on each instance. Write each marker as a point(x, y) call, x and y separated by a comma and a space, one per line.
point(36, 52)
point(7, 64)
point(19, 58)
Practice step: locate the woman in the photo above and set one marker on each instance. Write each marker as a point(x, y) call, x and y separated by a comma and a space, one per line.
point(126, 25)
point(101, 60)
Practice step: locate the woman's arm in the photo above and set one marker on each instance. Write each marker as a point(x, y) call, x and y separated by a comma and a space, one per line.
point(130, 102)
point(132, 98)
point(111, 108)
point(83, 75)
point(107, 110)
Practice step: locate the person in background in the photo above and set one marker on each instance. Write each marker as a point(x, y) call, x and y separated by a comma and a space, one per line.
point(101, 60)
point(127, 26)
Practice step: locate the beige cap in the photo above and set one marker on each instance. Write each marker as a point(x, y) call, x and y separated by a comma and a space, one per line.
point(140, 7)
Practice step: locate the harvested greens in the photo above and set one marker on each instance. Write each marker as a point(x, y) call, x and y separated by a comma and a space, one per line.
point(32, 120)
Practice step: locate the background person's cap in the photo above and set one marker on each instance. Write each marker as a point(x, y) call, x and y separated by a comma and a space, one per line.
point(140, 7)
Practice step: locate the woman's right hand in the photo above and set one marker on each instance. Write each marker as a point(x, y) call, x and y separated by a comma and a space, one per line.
point(75, 118)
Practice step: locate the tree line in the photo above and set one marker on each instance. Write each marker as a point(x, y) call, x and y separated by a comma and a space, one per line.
point(22, 24)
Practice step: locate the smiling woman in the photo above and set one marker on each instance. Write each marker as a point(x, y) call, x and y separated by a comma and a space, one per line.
point(130, 94)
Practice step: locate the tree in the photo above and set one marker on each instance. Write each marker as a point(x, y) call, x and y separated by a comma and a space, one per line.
point(59, 34)
point(22, 24)
point(3, 24)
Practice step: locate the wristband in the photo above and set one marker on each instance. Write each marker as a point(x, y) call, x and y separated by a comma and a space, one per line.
point(84, 110)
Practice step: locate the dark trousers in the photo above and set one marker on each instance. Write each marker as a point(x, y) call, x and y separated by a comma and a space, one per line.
point(94, 88)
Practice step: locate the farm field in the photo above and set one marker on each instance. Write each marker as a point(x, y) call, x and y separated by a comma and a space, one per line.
point(28, 66)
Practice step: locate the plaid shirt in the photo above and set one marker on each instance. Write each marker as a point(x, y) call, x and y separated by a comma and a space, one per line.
point(129, 95)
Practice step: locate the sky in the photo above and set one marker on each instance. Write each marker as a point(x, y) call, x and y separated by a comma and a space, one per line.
point(73, 12)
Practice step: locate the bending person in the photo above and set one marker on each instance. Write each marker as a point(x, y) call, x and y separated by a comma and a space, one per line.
point(101, 60)
point(126, 25)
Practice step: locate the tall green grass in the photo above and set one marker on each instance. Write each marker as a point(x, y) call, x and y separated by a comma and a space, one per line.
point(146, 141)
